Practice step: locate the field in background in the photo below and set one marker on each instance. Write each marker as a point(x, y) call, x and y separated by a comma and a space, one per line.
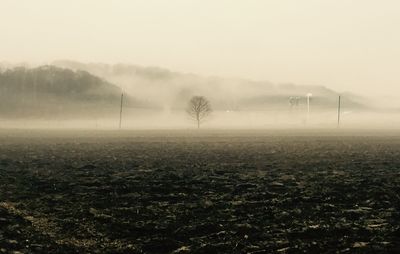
point(137, 119)
point(211, 191)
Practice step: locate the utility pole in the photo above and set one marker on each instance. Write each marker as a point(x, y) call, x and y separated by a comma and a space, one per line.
point(120, 112)
point(339, 108)
point(309, 95)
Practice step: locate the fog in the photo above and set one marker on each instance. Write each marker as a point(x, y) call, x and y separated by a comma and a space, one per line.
point(71, 94)
point(248, 58)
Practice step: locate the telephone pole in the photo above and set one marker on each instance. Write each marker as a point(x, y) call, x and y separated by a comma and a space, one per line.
point(309, 95)
point(120, 112)
point(339, 108)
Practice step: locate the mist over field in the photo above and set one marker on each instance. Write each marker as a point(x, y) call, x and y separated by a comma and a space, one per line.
point(73, 94)
point(246, 59)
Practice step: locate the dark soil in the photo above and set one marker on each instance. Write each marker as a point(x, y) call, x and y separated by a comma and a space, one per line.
point(211, 193)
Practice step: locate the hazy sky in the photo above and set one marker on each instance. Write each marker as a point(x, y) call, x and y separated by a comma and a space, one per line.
point(343, 44)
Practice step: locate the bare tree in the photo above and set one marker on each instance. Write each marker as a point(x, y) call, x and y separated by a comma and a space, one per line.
point(199, 109)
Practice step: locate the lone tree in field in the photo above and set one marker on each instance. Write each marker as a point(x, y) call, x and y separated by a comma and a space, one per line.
point(199, 109)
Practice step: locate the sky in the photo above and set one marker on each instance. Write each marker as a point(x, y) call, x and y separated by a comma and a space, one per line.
point(347, 45)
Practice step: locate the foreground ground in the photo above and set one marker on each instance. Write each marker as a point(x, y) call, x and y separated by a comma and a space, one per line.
point(201, 192)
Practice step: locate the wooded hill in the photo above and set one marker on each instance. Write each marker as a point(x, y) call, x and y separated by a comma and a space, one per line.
point(165, 88)
point(76, 89)
point(50, 90)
